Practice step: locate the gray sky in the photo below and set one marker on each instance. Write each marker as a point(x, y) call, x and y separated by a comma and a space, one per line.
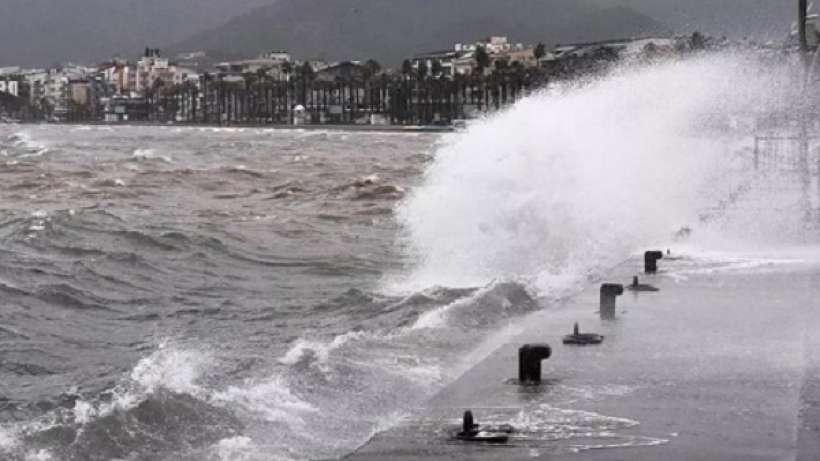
point(42, 32)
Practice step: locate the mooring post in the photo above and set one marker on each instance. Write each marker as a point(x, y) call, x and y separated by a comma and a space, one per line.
point(468, 425)
point(608, 293)
point(650, 261)
point(529, 362)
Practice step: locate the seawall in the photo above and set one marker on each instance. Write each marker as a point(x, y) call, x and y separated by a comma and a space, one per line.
point(721, 363)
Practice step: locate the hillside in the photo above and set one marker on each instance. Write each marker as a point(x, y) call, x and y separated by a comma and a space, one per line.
point(761, 19)
point(43, 32)
point(390, 31)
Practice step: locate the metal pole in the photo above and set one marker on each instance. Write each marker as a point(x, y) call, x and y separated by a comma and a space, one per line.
point(802, 15)
point(803, 143)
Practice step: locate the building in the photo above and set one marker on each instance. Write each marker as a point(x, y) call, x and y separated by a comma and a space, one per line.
point(274, 63)
point(492, 45)
point(623, 48)
point(524, 56)
point(446, 58)
point(276, 56)
point(460, 60)
point(122, 75)
point(150, 69)
point(11, 87)
point(123, 109)
point(55, 92)
point(12, 70)
point(36, 81)
point(343, 71)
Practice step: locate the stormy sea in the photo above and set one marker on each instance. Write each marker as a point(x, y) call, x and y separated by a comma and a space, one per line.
point(201, 293)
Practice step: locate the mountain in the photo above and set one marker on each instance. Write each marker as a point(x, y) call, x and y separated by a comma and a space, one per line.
point(736, 18)
point(391, 30)
point(43, 32)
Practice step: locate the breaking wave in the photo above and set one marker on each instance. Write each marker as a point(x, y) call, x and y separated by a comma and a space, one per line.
point(576, 177)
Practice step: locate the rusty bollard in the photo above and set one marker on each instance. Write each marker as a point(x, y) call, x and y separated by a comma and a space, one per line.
point(529, 362)
point(650, 261)
point(608, 293)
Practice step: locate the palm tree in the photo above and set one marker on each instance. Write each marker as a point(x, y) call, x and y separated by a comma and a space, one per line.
point(482, 59)
point(698, 41)
point(371, 69)
point(437, 68)
point(287, 68)
point(407, 67)
point(421, 71)
point(262, 90)
point(307, 75)
point(206, 79)
point(540, 51)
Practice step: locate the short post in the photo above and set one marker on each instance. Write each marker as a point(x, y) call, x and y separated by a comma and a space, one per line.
point(529, 362)
point(608, 293)
point(468, 425)
point(650, 261)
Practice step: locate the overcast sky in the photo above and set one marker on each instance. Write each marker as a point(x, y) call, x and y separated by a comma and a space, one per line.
point(42, 32)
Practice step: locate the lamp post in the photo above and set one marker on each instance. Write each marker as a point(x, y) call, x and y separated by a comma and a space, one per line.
point(802, 16)
point(803, 142)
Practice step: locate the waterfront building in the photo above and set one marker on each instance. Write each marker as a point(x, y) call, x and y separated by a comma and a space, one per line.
point(274, 63)
point(344, 71)
point(150, 69)
point(460, 60)
point(11, 87)
point(446, 58)
point(120, 74)
point(524, 55)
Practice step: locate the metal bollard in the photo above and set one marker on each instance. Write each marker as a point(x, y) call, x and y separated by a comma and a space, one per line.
point(529, 362)
point(468, 426)
point(650, 261)
point(608, 293)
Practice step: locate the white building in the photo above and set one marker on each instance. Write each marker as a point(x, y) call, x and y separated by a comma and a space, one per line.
point(36, 82)
point(11, 87)
point(150, 69)
point(12, 70)
point(277, 56)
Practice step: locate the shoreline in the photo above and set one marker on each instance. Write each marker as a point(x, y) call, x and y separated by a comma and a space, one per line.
point(694, 371)
point(327, 127)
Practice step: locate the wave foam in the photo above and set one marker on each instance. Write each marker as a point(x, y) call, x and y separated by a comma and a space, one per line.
point(574, 178)
point(150, 154)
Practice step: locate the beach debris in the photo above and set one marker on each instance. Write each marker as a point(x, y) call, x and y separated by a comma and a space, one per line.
point(529, 362)
point(582, 339)
point(637, 286)
point(608, 293)
point(472, 432)
point(650, 261)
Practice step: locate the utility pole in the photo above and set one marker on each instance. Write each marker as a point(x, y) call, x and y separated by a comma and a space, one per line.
point(802, 16)
point(803, 114)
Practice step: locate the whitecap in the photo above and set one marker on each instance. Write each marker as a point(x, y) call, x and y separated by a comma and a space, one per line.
point(270, 399)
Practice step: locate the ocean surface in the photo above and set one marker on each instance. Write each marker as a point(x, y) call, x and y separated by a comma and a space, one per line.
point(179, 293)
point(185, 293)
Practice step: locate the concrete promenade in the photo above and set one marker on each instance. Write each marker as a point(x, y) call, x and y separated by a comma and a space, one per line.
point(723, 363)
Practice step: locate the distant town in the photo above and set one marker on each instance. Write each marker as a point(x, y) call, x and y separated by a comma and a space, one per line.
point(430, 88)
